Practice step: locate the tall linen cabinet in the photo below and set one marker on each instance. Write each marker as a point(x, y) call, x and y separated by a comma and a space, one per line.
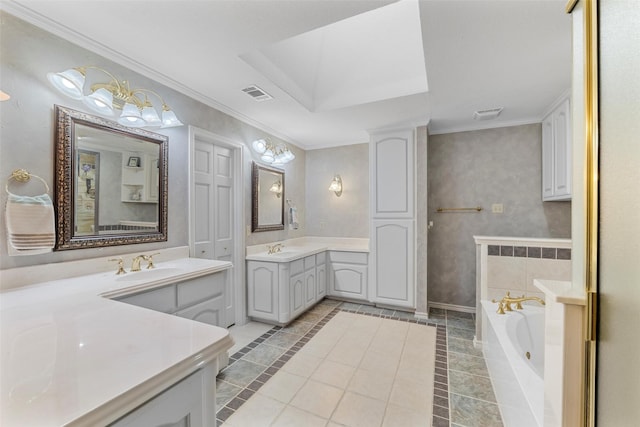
point(392, 177)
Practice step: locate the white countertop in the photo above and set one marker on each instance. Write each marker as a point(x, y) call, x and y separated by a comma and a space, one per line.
point(561, 291)
point(72, 356)
point(529, 241)
point(294, 249)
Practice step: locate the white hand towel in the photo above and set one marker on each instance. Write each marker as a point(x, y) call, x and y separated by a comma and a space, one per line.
point(30, 224)
point(293, 218)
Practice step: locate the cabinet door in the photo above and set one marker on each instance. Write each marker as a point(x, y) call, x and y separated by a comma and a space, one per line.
point(297, 294)
point(562, 151)
point(321, 281)
point(392, 174)
point(348, 280)
point(547, 158)
point(262, 284)
point(210, 311)
point(393, 275)
point(310, 287)
point(180, 405)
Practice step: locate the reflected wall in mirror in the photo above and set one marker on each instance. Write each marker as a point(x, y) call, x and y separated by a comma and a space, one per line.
point(267, 195)
point(111, 182)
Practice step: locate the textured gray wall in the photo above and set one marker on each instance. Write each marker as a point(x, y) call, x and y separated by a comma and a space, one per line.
point(480, 168)
point(422, 216)
point(27, 133)
point(327, 214)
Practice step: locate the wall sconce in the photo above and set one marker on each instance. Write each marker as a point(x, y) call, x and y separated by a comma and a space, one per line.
point(276, 187)
point(105, 98)
point(274, 154)
point(4, 96)
point(336, 185)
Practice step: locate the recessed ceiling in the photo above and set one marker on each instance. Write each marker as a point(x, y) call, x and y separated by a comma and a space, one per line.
point(373, 56)
point(478, 54)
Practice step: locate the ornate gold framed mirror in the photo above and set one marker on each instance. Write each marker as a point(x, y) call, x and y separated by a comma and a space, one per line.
point(267, 196)
point(111, 182)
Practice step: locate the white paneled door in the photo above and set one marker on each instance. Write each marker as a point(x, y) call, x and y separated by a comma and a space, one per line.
point(214, 222)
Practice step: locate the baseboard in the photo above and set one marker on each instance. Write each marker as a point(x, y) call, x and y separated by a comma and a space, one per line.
point(453, 307)
point(421, 315)
point(478, 344)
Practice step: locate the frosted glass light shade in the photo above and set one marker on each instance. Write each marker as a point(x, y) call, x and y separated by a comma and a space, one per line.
point(150, 116)
point(69, 82)
point(268, 156)
point(131, 116)
point(100, 101)
point(288, 156)
point(260, 146)
point(169, 119)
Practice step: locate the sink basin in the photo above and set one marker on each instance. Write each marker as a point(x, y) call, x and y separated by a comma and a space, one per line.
point(157, 273)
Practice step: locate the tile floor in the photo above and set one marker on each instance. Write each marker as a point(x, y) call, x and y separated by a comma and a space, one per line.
point(277, 379)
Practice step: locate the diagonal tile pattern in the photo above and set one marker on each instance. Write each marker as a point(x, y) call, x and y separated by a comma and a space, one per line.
point(344, 374)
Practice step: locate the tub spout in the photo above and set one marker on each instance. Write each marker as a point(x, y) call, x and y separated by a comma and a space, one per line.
point(505, 303)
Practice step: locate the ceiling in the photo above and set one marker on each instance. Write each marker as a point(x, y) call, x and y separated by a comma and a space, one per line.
point(336, 69)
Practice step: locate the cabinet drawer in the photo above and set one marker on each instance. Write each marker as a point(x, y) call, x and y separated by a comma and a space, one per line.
point(161, 299)
point(321, 258)
point(201, 288)
point(309, 262)
point(297, 266)
point(348, 257)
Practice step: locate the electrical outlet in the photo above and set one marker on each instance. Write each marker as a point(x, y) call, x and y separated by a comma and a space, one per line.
point(497, 208)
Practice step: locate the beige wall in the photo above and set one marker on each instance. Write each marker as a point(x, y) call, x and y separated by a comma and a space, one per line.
point(618, 380)
point(326, 214)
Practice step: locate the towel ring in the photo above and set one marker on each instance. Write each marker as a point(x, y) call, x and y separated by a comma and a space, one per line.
point(22, 176)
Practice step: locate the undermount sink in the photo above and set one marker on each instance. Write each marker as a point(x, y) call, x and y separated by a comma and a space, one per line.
point(157, 273)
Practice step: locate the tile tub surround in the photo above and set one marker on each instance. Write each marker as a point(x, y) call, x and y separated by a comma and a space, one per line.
point(463, 359)
point(513, 263)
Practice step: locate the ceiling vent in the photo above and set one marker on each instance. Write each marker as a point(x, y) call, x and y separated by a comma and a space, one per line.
point(256, 93)
point(487, 114)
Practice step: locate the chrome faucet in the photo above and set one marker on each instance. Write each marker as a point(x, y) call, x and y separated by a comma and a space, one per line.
point(135, 264)
point(505, 303)
point(272, 249)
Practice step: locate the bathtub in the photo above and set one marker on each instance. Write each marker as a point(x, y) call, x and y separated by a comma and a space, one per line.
point(513, 348)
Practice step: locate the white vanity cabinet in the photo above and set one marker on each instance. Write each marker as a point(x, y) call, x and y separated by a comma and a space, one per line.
point(556, 152)
point(281, 291)
point(348, 275)
point(200, 299)
point(187, 403)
